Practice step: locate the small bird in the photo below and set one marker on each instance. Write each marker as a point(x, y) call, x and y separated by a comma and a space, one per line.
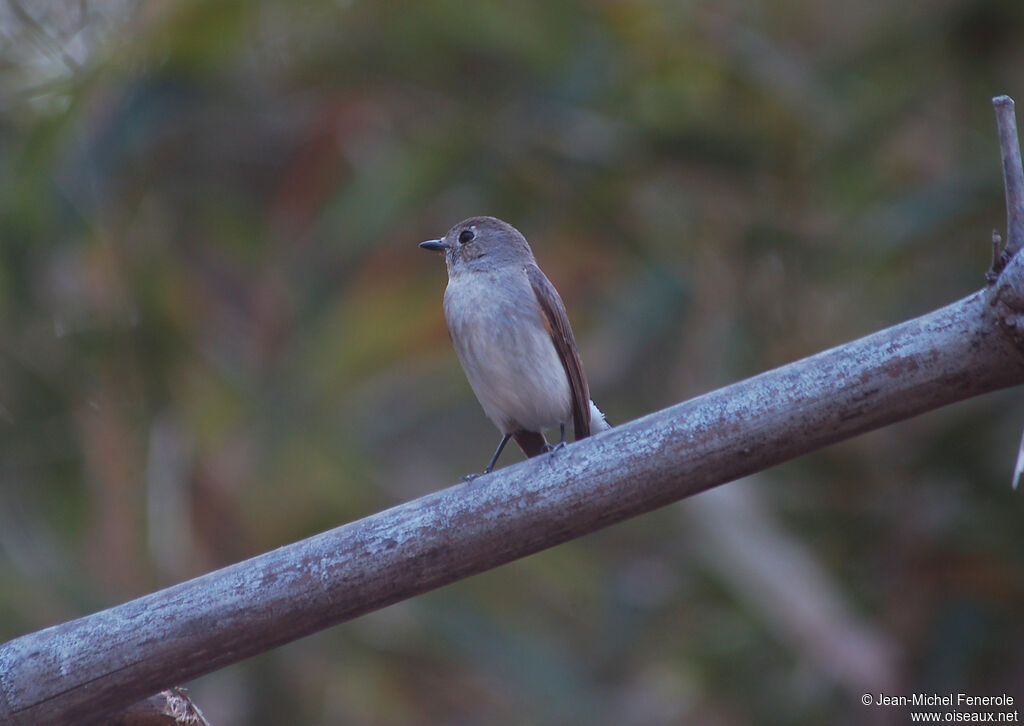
point(512, 335)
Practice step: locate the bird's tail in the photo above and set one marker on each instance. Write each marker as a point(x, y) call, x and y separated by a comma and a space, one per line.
point(531, 442)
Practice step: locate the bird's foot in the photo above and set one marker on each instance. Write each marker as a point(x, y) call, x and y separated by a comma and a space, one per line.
point(560, 445)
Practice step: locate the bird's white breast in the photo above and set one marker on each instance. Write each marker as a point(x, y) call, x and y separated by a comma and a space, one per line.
point(500, 336)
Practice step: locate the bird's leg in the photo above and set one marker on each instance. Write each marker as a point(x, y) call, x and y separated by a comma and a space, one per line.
point(561, 442)
point(494, 459)
point(497, 452)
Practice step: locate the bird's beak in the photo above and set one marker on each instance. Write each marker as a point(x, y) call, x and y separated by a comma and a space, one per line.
point(434, 245)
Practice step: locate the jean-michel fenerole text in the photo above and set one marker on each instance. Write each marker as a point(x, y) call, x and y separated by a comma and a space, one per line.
point(943, 699)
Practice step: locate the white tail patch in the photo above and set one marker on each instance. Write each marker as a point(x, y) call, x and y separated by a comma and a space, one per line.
point(598, 422)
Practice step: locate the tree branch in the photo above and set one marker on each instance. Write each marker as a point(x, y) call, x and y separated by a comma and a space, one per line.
point(1013, 175)
point(100, 663)
point(167, 708)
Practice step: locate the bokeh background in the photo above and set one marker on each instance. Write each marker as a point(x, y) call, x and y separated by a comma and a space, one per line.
point(218, 335)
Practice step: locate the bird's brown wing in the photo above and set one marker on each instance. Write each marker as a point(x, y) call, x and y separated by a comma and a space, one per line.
point(561, 335)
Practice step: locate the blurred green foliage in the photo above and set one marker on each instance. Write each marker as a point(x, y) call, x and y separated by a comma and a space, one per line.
point(218, 335)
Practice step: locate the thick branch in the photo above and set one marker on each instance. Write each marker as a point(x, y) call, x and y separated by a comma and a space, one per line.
point(104, 661)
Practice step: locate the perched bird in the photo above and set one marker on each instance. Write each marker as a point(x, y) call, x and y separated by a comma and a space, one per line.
point(512, 335)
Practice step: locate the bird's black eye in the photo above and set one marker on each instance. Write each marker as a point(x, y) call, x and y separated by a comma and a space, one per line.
point(466, 235)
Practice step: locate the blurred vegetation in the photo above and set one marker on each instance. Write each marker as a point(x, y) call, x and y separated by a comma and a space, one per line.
point(218, 335)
